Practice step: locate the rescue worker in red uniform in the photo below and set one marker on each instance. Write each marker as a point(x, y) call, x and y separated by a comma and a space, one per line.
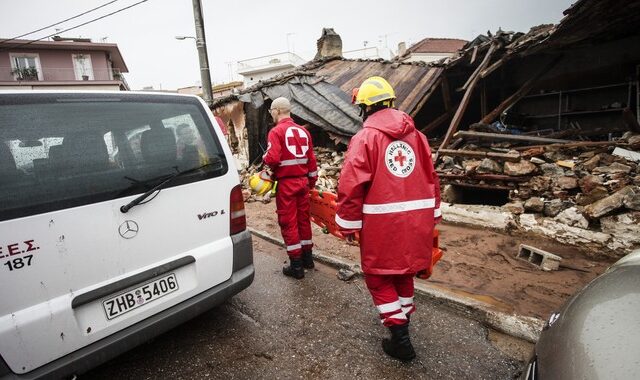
point(290, 156)
point(389, 192)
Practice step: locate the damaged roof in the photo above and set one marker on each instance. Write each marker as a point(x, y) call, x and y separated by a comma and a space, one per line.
point(437, 45)
point(411, 81)
point(323, 88)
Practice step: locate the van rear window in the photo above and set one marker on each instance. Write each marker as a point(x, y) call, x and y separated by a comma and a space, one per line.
point(65, 150)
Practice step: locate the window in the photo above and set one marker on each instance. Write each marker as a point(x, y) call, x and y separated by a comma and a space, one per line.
point(61, 151)
point(26, 66)
point(82, 66)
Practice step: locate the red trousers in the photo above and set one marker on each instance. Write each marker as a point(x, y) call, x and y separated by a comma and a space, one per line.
point(292, 203)
point(393, 297)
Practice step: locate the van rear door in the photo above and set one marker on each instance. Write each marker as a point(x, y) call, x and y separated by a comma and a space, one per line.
point(74, 267)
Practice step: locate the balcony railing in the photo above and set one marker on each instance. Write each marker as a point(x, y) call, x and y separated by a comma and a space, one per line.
point(269, 61)
point(8, 74)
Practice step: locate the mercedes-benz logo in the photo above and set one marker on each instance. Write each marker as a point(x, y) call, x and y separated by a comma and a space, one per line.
point(128, 229)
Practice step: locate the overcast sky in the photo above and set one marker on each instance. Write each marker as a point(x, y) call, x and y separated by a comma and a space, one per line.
point(237, 30)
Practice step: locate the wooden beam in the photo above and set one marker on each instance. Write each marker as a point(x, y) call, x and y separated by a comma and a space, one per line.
point(477, 154)
point(483, 99)
point(485, 177)
point(437, 122)
point(474, 55)
point(426, 97)
point(457, 118)
point(482, 186)
point(446, 93)
point(580, 144)
point(505, 137)
point(522, 91)
point(486, 72)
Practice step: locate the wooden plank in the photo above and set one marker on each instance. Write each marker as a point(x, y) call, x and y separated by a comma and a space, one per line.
point(579, 144)
point(486, 72)
point(477, 154)
point(437, 122)
point(474, 55)
point(485, 177)
point(505, 137)
point(457, 118)
point(521, 92)
point(446, 93)
point(426, 97)
point(482, 186)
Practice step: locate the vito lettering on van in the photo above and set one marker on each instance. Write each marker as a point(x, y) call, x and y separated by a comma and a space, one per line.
point(205, 215)
point(20, 249)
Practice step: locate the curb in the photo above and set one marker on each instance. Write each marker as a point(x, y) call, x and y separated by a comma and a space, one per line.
point(518, 326)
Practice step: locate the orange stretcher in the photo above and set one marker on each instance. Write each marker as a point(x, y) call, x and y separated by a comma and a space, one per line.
point(323, 213)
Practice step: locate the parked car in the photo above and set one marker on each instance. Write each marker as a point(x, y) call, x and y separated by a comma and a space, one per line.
point(109, 233)
point(596, 334)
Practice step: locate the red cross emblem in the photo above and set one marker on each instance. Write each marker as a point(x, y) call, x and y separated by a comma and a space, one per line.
point(400, 158)
point(296, 141)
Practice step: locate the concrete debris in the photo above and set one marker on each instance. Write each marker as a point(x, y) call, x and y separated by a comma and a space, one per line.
point(627, 154)
point(540, 258)
point(614, 168)
point(519, 168)
point(534, 204)
point(345, 274)
point(554, 207)
point(608, 204)
point(537, 161)
point(572, 217)
point(567, 183)
point(515, 208)
point(625, 228)
point(489, 166)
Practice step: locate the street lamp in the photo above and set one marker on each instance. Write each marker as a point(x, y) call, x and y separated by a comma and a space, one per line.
point(184, 38)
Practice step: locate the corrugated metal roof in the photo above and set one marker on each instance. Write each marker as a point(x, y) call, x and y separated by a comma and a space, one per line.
point(410, 81)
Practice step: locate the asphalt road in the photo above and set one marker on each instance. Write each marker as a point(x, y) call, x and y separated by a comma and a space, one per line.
point(318, 328)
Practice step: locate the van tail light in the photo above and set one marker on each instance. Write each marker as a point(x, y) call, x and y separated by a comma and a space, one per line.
point(237, 216)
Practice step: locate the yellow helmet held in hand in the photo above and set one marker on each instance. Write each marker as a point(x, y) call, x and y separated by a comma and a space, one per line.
point(261, 183)
point(375, 90)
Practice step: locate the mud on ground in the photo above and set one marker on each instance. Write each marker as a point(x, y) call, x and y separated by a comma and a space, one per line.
point(479, 263)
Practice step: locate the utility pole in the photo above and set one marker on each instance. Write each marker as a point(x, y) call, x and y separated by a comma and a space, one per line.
point(201, 44)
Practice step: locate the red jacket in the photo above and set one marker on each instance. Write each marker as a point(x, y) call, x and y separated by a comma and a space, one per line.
point(290, 152)
point(389, 190)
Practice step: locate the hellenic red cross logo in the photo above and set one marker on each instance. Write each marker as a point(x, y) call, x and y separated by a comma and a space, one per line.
point(400, 158)
point(296, 141)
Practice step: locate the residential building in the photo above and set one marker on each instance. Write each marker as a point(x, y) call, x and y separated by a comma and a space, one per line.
point(260, 68)
point(430, 49)
point(218, 90)
point(64, 63)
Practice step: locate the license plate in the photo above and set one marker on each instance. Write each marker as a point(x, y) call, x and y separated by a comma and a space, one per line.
point(140, 296)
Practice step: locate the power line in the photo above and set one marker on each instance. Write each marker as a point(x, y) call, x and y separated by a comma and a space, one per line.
point(77, 26)
point(60, 22)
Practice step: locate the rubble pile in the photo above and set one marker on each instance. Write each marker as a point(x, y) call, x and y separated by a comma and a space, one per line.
point(594, 187)
point(329, 166)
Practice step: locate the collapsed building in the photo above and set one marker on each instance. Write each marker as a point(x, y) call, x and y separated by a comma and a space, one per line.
point(544, 125)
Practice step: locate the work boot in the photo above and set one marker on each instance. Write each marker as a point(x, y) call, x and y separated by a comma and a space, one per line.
point(294, 269)
point(399, 346)
point(307, 260)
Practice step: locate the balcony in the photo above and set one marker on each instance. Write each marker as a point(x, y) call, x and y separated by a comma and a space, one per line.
point(273, 62)
point(7, 74)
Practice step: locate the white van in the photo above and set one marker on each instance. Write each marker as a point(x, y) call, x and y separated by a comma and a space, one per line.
point(121, 216)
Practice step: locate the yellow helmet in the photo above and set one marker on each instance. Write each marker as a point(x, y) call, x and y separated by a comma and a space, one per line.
point(375, 90)
point(260, 183)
